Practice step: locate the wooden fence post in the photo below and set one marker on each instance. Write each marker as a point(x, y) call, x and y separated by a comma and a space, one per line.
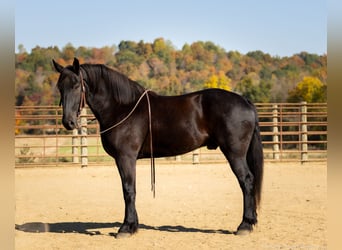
point(75, 144)
point(304, 132)
point(195, 156)
point(84, 143)
point(275, 132)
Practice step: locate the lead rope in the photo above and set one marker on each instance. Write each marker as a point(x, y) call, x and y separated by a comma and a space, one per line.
point(153, 170)
point(130, 113)
point(82, 104)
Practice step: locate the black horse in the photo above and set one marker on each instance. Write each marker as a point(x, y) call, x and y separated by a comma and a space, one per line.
point(129, 115)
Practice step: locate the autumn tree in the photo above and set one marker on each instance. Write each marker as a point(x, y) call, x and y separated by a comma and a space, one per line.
point(254, 91)
point(310, 89)
point(68, 52)
point(167, 70)
point(163, 49)
point(220, 81)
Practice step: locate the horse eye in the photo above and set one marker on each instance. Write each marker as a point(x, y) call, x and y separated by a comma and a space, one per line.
point(76, 85)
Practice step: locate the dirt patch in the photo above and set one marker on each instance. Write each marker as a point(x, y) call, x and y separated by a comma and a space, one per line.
point(196, 207)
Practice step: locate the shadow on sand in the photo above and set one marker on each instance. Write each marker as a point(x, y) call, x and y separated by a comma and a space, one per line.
point(93, 228)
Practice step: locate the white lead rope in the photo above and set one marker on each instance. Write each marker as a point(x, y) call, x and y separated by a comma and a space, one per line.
point(153, 172)
point(130, 113)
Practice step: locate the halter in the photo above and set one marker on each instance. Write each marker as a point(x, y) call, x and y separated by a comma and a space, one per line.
point(82, 99)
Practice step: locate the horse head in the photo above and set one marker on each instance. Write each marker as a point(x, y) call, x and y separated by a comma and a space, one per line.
point(72, 90)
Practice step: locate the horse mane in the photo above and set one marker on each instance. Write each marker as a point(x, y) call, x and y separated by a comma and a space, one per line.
point(122, 89)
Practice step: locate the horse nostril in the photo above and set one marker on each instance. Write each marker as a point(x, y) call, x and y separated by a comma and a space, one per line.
point(72, 125)
point(69, 124)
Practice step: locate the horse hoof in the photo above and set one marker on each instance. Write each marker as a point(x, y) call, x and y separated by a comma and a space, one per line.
point(243, 232)
point(123, 235)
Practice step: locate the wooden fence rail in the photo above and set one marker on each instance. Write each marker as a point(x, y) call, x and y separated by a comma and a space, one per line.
point(290, 132)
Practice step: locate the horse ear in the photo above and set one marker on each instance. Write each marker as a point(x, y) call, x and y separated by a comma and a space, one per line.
point(58, 67)
point(76, 65)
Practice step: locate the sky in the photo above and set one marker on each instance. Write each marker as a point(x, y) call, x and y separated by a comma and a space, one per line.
point(280, 28)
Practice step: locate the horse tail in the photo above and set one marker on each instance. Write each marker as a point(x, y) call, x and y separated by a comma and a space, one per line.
point(255, 160)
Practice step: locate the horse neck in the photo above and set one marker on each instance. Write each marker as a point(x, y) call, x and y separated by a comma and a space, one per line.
point(104, 101)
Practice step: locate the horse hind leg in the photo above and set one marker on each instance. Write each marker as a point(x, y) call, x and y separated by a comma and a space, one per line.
point(245, 178)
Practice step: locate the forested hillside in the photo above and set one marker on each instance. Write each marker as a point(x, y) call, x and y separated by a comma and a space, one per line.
point(170, 71)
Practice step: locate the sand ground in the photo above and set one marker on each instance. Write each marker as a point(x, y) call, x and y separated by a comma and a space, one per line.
point(196, 207)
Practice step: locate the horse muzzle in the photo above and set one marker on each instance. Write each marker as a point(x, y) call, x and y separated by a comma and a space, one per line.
point(70, 123)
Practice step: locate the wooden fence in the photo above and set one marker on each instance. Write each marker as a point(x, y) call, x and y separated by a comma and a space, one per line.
point(290, 132)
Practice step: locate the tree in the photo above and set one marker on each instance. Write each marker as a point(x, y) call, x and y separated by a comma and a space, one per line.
point(163, 49)
point(68, 52)
point(158, 65)
point(144, 49)
point(310, 89)
point(219, 80)
point(21, 49)
point(256, 92)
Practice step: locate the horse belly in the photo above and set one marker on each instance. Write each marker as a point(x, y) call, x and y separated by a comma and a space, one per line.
point(175, 141)
point(178, 126)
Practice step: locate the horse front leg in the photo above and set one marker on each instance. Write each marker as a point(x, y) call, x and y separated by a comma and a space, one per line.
point(127, 170)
